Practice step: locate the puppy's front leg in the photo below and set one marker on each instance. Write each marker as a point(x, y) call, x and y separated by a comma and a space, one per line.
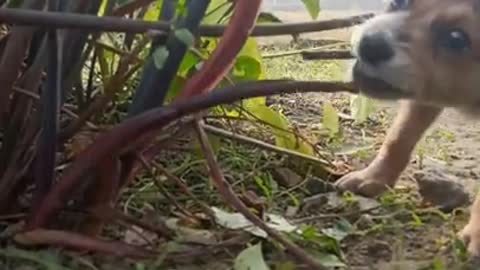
point(471, 232)
point(412, 121)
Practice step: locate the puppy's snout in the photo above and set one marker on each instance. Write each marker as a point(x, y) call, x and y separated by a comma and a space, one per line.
point(375, 49)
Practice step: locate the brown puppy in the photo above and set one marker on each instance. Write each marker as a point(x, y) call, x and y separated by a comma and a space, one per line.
point(425, 53)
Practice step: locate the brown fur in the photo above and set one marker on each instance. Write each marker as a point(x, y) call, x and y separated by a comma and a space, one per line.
point(438, 79)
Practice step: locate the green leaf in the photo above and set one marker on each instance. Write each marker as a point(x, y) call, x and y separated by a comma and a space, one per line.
point(177, 85)
point(185, 36)
point(44, 258)
point(279, 223)
point(160, 56)
point(249, 65)
point(460, 249)
point(313, 7)
point(263, 186)
point(437, 264)
point(330, 119)
point(104, 57)
point(279, 126)
point(189, 61)
point(215, 142)
point(286, 266)
point(341, 230)
point(251, 259)
point(236, 221)
point(267, 17)
point(153, 11)
point(330, 260)
point(310, 233)
point(417, 221)
point(361, 108)
point(103, 6)
point(216, 12)
point(182, 8)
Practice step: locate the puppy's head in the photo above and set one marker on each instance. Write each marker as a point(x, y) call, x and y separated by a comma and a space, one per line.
point(427, 50)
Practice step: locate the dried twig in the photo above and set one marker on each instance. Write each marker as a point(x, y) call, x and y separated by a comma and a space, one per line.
point(184, 187)
point(161, 188)
point(73, 240)
point(325, 55)
point(295, 52)
point(260, 144)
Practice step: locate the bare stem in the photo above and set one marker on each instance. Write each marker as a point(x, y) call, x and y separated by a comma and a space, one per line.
point(114, 24)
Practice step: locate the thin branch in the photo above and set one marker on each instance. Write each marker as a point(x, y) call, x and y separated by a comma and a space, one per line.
point(77, 241)
point(108, 214)
point(326, 55)
point(184, 187)
point(158, 183)
point(260, 144)
point(295, 52)
point(113, 24)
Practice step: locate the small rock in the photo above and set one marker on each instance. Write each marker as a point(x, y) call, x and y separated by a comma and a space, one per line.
point(25, 267)
point(364, 222)
point(317, 186)
point(328, 200)
point(402, 265)
point(291, 211)
point(378, 249)
point(190, 235)
point(365, 203)
point(286, 177)
point(441, 189)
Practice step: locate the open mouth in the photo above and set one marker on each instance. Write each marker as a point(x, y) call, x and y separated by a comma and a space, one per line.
point(374, 87)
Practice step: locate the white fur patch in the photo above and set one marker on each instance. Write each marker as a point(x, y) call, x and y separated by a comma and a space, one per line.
point(396, 70)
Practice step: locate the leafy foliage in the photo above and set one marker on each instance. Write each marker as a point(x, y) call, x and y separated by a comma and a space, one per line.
point(251, 258)
point(313, 7)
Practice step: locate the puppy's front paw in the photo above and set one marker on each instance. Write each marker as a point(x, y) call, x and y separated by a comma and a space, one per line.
point(470, 235)
point(364, 183)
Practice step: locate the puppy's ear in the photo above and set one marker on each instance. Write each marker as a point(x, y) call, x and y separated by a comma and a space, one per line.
point(476, 5)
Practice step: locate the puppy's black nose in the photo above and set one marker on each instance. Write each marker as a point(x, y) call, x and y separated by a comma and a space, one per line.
point(375, 49)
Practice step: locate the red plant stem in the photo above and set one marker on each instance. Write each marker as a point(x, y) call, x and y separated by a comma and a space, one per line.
point(102, 193)
point(223, 58)
point(230, 197)
point(77, 241)
point(112, 143)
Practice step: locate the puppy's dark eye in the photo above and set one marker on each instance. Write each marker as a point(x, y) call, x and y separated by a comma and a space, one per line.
point(455, 40)
point(395, 5)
